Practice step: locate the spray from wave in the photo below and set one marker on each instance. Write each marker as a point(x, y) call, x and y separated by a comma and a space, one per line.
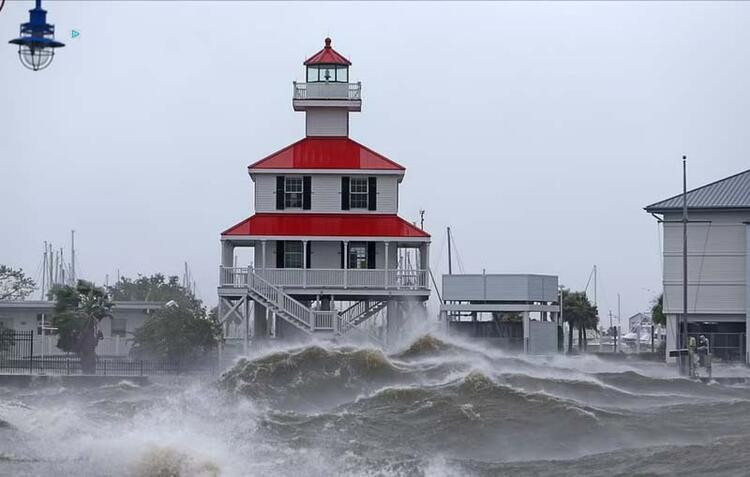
point(436, 406)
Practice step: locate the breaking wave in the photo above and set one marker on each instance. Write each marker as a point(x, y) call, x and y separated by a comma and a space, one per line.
point(437, 406)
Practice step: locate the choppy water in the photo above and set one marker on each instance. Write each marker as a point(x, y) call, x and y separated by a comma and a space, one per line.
point(434, 408)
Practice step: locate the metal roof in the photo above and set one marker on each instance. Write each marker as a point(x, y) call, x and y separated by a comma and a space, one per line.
point(326, 225)
point(327, 56)
point(326, 153)
point(732, 192)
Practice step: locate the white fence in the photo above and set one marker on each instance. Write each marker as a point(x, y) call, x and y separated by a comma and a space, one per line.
point(328, 278)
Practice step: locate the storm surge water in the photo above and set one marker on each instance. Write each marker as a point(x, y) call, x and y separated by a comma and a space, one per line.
point(436, 407)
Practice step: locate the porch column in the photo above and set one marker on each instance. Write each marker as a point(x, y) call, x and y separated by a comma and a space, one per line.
point(385, 265)
point(526, 325)
point(227, 253)
point(425, 265)
point(346, 262)
point(263, 255)
point(304, 264)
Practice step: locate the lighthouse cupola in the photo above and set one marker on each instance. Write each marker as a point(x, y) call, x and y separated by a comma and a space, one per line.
point(327, 95)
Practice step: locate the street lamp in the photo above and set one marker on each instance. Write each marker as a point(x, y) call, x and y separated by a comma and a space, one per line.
point(36, 45)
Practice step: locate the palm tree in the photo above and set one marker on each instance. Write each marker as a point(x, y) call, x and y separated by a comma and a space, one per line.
point(579, 313)
point(78, 312)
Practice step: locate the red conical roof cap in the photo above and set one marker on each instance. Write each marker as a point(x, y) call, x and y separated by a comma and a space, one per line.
point(327, 56)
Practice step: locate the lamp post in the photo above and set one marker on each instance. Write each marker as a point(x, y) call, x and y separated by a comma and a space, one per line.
point(36, 45)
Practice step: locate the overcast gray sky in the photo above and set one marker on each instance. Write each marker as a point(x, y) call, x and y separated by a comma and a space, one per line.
point(537, 131)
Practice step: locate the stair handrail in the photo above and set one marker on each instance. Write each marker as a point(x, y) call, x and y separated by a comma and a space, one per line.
point(277, 296)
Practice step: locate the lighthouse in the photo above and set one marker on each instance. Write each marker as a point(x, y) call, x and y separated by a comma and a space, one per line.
point(330, 252)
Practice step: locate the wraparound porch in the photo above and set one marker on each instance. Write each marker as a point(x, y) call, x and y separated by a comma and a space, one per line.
point(326, 279)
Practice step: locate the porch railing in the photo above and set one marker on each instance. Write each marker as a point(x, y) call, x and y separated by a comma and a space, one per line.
point(328, 278)
point(345, 91)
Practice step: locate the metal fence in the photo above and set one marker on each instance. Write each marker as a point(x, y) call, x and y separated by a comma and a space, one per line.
point(724, 346)
point(18, 356)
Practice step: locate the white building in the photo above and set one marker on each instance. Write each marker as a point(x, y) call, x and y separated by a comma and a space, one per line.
point(718, 248)
point(329, 250)
point(36, 315)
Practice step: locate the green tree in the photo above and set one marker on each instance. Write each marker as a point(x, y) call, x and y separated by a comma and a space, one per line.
point(156, 287)
point(177, 333)
point(657, 311)
point(580, 314)
point(78, 311)
point(180, 331)
point(14, 284)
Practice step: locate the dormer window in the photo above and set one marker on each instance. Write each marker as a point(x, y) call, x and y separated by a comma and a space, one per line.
point(327, 74)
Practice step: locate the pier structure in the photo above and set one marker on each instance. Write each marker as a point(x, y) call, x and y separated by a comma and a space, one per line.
point(329, 251)
point(518, 311)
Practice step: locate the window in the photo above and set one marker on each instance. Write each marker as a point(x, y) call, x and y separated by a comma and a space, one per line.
point(327, 73)
point(293, 189)
point(358, 255)
point(119, 327)
point(358, 193)
point(292, 254)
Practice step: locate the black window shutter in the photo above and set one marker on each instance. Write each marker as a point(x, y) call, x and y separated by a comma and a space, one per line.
point(306, 192)
point(344, 193)
point(372, 192)
point(308, 253)
point(279, 254)
point(279, 192)
point(370, 254)
point(342, 255)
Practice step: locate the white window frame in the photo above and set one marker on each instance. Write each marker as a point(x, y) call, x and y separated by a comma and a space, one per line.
point(361, 258)
point(359, 194)
point(292, 197)
point(290, 254)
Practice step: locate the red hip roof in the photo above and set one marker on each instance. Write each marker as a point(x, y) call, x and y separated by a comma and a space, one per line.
point(326, 225)
point(326, 153)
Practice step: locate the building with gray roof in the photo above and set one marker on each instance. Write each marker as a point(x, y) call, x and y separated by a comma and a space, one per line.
point(718, 262)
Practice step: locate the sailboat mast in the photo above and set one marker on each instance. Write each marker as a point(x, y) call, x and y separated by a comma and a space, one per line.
point(450, 263)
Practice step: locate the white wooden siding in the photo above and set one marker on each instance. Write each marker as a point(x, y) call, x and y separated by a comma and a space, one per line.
point(327, 122)
point(326, 195)
point(265, 193)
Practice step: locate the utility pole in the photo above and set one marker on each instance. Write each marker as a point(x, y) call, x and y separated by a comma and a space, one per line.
point(612, 331)
point(450, 264)
point(684, 331)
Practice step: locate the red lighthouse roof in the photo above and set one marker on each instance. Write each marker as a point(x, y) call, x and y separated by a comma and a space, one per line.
point(326, 153)
point(327, 56)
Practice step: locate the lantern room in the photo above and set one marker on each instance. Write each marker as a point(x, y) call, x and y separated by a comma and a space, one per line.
point(327, 95)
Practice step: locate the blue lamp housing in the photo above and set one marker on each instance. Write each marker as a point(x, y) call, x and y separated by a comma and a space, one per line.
point(36, 45)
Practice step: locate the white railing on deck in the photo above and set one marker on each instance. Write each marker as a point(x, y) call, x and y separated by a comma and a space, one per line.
point(329, 278)
point(280, 299)
point(345, 91)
